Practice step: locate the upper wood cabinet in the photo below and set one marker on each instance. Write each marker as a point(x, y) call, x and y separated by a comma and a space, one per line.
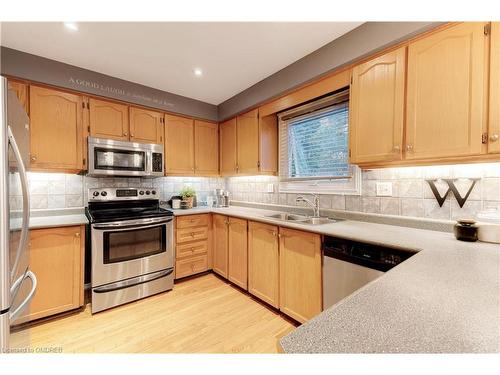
point(179, 145)
point(377, 109)
point(56, 258)
point(220, 252)
point(108, 120)
point(146, 126)
point(228, 145)
point(247, 126)
point(238, 252)
point(21, 90)
point(445, 97)
point(300, 274)
point(494, 105)
point(249, 145)
point(263, 262)
point(206, 148)
point(56, 118)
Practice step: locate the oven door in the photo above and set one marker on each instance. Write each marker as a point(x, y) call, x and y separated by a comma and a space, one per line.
point(125, 249)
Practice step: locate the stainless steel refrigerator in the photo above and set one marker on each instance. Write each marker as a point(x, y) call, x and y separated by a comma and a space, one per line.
point(17, 282)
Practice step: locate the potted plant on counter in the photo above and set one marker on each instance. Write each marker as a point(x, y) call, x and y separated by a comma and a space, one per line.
point(187, 193)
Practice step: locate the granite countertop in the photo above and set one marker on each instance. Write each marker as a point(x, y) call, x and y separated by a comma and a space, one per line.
point(444, 299)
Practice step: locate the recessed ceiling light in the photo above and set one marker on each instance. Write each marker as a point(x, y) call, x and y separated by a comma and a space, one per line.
point(198, 72)
point(71, 26)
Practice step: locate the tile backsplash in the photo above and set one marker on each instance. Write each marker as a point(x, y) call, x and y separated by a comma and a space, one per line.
point(411, 194)
point(59, 190)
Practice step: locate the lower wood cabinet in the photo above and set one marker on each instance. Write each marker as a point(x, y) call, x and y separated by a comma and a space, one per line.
point(263, 262)
point(300, 274)
point(237, 252)
point(56, 258)
point(193, 250)
point(220, 229)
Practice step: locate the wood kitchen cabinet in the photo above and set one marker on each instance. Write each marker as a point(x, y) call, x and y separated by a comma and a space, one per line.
point(193, 250)
point(21, 89)
point(146, 126)
point(206, 148)
point(249, 145)
point(247, 132)
point(108, 120)
point(191, 147)
point(263, 262)
point(494, 105)
point(56, 131)
point(300, 274)
point(237, 252)
point(445, 93)
point(56, 258)
point(377, 109)
point(179, 145)
point(228, 147)
point(220, 231)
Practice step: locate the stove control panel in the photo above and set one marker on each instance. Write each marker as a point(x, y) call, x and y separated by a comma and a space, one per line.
point(116, 194)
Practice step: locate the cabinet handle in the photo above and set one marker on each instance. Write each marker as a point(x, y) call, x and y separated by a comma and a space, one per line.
point(77, 234)
point(396, 148)
point(494, 138)
point(409, 147)
point(131, 134)
point(33, 158)
point(125, 134)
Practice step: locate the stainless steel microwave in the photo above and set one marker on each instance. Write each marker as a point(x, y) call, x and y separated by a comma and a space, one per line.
point(117, 158)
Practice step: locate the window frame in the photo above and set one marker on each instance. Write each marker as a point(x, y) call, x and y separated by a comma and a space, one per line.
point(320, 185)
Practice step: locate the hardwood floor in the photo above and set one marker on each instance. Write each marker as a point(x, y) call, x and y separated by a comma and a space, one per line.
point(200, 315)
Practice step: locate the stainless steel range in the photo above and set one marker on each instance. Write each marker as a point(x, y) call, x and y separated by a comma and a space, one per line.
point(131, 244)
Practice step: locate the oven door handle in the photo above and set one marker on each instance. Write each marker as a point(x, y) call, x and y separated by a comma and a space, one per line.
point(133, 282)
point(119, 225)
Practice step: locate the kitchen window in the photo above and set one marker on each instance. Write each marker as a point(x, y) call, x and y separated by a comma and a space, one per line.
point(314, 148)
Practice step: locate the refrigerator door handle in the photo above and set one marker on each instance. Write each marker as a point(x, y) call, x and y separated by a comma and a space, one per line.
point(29, 275)
point(26, 203)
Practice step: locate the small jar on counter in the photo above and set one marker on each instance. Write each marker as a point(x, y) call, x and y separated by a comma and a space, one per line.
point(465, 230)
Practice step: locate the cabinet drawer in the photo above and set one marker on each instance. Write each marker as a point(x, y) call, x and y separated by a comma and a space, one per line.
point(190, 266)
point(190, 221)
point(191, 249)
point(191, 234)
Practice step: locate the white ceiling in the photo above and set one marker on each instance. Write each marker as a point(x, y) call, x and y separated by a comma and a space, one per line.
point(233, 56)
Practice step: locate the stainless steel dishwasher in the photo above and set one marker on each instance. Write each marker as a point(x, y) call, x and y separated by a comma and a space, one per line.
point(349, 265)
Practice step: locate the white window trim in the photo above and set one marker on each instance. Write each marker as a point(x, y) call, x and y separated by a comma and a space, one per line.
point(334, 186)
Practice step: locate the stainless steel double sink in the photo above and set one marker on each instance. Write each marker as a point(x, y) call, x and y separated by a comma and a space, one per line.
point(302, 219)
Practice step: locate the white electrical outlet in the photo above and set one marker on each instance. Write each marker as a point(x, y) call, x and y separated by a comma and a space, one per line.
point(384, 189)
point(270, 188)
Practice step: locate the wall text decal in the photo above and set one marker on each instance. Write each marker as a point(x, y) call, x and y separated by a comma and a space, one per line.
point(451, 187)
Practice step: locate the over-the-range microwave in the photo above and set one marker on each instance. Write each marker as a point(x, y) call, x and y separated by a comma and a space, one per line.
point(108, 157)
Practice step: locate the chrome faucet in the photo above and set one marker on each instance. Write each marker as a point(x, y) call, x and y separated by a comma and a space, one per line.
point(314, 203)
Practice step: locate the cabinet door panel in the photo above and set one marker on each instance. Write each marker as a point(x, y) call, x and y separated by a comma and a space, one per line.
point(56, 135)
point(220, 252)
point(227, 148)
point(300, 274)
point(56, 258)
point(494, 130)
point(248, 142)
point(445, 93)
point(179, 145)
point(21, 90)
point(146, 126)
point(377, 108)
point(238, 252)
point(268, 145)
point(206, 152)
point(108, 120)
point(263, 262)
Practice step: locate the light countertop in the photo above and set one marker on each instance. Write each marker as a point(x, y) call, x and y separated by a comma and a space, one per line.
point(444, 299)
